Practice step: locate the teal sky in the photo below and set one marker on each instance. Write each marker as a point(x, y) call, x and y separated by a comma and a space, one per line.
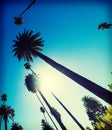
point(71, 37)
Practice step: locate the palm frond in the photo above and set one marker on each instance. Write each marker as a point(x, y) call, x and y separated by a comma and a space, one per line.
point(27, 45)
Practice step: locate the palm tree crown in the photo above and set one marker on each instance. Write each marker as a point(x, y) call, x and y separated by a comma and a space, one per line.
point(92, 104)
point(16, 126)
point(18, 20)
point(26, 45)
point(46, 126)
point(42, 109)
point(104, 26)
point(4, 97)
point(31, 83)
point(28, 67)
point(6, 112)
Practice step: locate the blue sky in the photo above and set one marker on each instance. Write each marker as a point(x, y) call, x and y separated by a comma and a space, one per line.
point(71, 37)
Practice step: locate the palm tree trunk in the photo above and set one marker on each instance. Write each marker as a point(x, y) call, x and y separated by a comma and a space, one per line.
point(5, 120)
point(76, 121)
point(33, 2)
point(0, 122)
point(89, 85)
point(46, 112)
point(45, 117)
point(53, 113)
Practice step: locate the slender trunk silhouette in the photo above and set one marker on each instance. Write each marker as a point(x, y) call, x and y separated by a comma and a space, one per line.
point(46, 111)
point(5, 124)
point(53, 113)
point(76, 121)
point(89, 85)
point(45, 117)
point(0, 122)
point(32, 3)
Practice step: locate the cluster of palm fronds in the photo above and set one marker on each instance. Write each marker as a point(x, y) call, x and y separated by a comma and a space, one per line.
point(6, 113)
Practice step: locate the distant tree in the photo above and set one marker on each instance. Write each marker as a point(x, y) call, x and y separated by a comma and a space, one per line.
point(19, 20)
point(6, 112)
point(28, 67)
point(4, 98)
point(93, 105)
point(46, 126)
point(43, 111)
point(16, 126)
point(103, 26)
point(99, 115)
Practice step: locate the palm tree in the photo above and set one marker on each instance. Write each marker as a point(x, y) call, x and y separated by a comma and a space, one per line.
point(28, 45)
point(6, 112)
point(18, 20)
point(104, 26)
point(28, 67)
point(31, 84)
point(94, 110)
point(43, 111)
point(93, 105)
point(16, 126)
point(4, 98)
point(70, 114)
point(46, 126)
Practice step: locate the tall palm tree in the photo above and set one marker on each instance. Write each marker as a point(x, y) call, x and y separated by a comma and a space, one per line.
point(70, 114)
point(16, 126)
point(19, 20)
point(6, 112)
point(31, 84)
point(28, 45)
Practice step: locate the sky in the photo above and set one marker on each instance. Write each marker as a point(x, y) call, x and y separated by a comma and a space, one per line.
point(71, 38)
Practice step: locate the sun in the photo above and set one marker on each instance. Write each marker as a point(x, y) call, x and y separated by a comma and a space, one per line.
point(48, 78)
